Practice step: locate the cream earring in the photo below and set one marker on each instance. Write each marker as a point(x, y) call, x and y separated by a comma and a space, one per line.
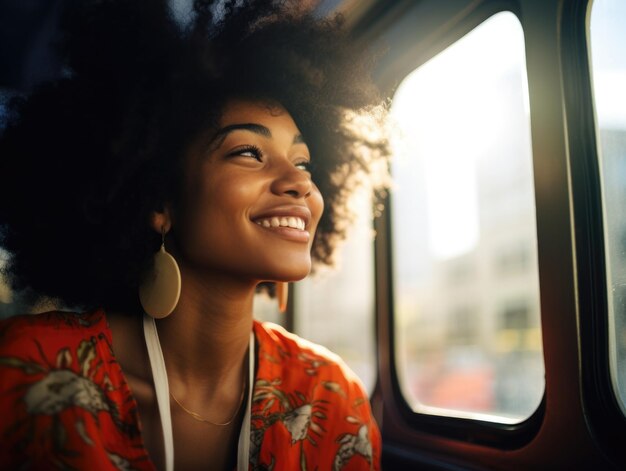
point(282, 295)
point(160, 290)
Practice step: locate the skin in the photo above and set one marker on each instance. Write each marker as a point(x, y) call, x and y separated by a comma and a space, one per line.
point(252, 168)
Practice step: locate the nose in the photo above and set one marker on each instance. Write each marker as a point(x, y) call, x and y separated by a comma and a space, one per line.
point(292, 181)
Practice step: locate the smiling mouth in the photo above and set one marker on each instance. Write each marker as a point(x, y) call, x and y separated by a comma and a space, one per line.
point(275, 222)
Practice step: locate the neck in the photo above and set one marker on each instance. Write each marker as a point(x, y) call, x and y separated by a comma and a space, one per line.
point(206, 338)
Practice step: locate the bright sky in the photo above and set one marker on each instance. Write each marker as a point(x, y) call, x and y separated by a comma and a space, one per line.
point(450, 111)
point(608, 53)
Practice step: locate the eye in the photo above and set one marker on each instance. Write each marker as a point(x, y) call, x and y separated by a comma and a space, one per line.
point(304, 165)
point(247, 151)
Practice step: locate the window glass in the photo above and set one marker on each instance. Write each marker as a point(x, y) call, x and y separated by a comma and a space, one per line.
point(466, 288)
point(608, 62)
point(335, 307)
point(266, 310)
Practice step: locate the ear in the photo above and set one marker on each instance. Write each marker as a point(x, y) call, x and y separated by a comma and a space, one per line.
point(161, 221)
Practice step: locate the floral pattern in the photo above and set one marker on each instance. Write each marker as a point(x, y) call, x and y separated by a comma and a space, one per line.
point(66, 404)
point(64, 396)
point(310, 403)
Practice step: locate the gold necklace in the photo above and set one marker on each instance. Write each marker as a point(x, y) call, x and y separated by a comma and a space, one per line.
point(199, 418)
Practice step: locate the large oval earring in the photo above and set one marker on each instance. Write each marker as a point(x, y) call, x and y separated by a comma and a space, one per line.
point(160, 290)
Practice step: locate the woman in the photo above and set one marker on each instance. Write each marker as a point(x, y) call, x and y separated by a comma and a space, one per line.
point(212, 142)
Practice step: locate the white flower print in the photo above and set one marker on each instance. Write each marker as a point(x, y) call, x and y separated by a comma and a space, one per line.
point(120, 463)
point(297, 422)
point(351, 445)
point(61, 389)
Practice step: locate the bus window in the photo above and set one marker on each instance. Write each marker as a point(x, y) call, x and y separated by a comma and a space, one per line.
point(608, 62)
point(335, 308)
point(466, 288)
point(266, 310)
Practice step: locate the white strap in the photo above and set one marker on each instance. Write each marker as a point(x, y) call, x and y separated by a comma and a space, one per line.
point(159, 375)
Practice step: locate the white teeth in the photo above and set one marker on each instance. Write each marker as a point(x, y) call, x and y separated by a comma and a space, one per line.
point(291, 221)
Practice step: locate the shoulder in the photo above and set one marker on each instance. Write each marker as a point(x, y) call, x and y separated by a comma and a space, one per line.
point(305, 393)
point(45, 326)
point(34, 345)
point(38, 343)
point(43, 331)
point(59, 378)
point(301, 357)
point(273, 336)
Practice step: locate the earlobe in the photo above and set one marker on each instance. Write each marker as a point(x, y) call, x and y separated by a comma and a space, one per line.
point(161, 221)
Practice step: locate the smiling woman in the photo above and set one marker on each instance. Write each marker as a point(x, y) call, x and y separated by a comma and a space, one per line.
point(192, 163)
point(252, 185)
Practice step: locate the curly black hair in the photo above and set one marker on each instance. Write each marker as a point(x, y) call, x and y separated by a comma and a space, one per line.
point(87, 158)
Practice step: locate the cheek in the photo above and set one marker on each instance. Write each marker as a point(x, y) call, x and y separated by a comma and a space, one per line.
point(201, 212)
point(219, 206)
point(218, 191)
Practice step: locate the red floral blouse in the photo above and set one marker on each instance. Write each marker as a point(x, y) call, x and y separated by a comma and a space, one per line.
point(65, 404)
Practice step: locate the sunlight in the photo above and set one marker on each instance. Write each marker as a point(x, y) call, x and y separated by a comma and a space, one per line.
point(450, 111)
point(610, 98)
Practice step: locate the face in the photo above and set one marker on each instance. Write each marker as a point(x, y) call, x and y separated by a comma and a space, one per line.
point(250, 208)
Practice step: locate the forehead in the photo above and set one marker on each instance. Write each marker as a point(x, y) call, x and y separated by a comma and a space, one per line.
point(260, 112)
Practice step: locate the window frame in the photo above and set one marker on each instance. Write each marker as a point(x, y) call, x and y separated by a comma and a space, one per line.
point(606, 418)
point(292, 314)
point(579, 412)
point(498, 435)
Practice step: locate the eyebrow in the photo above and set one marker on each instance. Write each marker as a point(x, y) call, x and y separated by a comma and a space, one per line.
point(259, 129)
point(252, 127)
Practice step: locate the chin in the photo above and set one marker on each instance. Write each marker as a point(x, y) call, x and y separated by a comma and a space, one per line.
point(287, 269)
point(290, 276)
point(290, 273)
